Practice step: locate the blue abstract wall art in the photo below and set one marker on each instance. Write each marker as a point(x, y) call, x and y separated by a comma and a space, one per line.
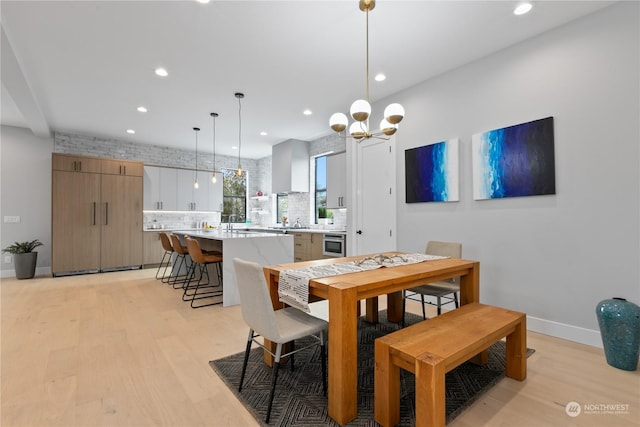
point(514, 161)
point(431, 173)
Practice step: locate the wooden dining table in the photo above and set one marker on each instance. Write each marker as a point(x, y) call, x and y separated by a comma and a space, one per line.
point(344, 292)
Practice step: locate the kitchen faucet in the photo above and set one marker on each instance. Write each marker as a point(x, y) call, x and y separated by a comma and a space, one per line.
point(231, 216)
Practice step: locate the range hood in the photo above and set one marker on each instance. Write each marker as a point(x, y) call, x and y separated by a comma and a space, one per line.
point(290, 167)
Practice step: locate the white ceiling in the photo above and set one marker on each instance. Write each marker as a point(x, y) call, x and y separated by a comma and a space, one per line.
point(86, 65)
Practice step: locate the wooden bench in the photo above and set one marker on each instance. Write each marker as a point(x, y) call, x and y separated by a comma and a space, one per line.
point(435, 346)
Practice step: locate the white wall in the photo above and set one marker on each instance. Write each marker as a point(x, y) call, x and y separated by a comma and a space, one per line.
point(25, 184)
point(553, 257)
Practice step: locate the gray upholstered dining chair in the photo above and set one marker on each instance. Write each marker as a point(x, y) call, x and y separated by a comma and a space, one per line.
point(446, 289)
point(278, 326)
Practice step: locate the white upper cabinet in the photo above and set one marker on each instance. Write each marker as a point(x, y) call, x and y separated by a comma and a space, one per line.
point(186, 199)
point(215, 193)
point(337, 181)
point(172, 189)
point(160, 188)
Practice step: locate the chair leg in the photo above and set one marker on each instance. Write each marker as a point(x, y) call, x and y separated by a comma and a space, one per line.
point(185, 277)
point(200, 286)
point(162, 264)
point(439, 305)
point(246, 359)
point(165, 278)
point(424, 313)
point(274, 378)
point(455, 299)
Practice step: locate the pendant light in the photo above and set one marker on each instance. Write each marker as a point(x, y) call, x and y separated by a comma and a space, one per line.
point(213, 175)
point(239, 96)
point(361, 109)
point(195, 182)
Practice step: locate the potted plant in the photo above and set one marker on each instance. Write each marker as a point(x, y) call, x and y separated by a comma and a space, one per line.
point(325, 215)
point(24, 258)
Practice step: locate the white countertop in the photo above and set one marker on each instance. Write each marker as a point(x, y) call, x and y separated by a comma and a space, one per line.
point(218, 234)
point(299, 230)
point(257, 230)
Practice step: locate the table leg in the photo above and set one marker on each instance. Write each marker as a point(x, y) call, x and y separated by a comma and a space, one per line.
point(394, 307)
point(371, 312)
point(343, 355)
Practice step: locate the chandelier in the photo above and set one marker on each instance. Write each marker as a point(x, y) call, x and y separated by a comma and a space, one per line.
point(361, 109)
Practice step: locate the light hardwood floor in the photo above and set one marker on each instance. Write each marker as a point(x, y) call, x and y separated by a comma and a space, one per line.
point(122, 349)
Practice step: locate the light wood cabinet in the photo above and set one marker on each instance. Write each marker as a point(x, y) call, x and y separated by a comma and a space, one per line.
point(75, 224)
point(96, 217)
point(316, 246)
point(66, 162)
point(122, 167)
point(122, 221)
point(307, 246)
point(152, 250)
point(301, 247)
point(337, 181)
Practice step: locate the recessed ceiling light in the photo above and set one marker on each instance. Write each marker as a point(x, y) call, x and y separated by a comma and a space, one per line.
point(522, 8)
point(203, 1)
point(142, 109)
point(380, 77)
point(263, 133)
point(307, 112)
point(161, 72)
point(234, 147)
point(131, 131)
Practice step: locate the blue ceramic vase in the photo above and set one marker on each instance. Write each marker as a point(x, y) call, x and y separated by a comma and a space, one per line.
point(619, 322)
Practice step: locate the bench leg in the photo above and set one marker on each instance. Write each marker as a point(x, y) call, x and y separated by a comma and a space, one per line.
point(430, 391)
point(517, 351)
point(386, 387)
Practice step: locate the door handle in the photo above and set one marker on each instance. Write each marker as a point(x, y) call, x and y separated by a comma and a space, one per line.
point(94, 213)
point(106, 213)
point(359, 232)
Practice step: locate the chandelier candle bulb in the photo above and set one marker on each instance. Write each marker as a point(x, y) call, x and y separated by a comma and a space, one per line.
point(338, 122)
point(360, 110)
point(394, 113)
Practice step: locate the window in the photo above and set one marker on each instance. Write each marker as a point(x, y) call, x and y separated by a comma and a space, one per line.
point(283, 207)
point(234, 192)
point(321, 185)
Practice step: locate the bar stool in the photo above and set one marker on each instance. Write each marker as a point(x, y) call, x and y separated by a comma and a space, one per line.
point(166, 257)
point(181, 253)
point(202, 290)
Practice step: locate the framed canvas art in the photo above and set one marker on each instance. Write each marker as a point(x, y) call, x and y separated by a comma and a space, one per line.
point(514, 161)
point(431, 173)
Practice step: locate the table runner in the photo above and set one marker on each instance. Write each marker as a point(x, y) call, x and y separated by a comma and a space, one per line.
point(293, 284)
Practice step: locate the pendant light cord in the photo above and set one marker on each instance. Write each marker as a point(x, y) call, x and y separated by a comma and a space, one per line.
point(239, 130)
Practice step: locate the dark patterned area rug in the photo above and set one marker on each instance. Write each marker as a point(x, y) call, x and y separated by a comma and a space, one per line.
point(299, 400)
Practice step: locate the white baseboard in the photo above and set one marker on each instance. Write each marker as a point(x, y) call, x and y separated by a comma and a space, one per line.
point(564, 331)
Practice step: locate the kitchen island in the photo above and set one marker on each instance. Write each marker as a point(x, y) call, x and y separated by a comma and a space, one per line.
point(263, 248)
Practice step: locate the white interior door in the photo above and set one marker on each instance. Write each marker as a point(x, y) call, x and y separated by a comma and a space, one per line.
point(373, 226)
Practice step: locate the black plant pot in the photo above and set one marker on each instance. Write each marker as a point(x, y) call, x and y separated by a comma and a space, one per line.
point(25, 265)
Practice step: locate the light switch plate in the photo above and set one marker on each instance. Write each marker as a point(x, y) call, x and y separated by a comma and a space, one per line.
point(11, 219)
